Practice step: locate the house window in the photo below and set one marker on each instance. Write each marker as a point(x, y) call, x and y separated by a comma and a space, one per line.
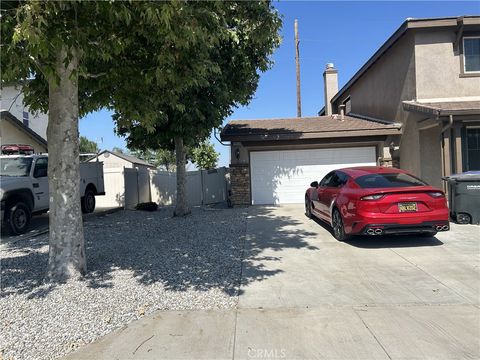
point(471, 54)
point(25, 118)
point(348, 105)
point(471, 148)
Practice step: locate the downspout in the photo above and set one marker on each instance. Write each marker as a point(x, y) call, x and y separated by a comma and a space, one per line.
point(449, 125)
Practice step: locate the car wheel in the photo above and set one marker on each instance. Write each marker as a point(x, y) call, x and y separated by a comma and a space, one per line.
point(308, 208)
point(337, 225)
point(18, 218)
point(88, 202)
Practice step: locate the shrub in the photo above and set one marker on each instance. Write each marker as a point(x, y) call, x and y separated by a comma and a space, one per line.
point(148, 206)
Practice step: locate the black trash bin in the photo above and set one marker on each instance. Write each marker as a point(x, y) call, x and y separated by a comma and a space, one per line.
point(464, 197)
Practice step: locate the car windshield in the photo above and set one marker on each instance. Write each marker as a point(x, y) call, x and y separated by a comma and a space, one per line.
point(15, 166)
point(388, 180)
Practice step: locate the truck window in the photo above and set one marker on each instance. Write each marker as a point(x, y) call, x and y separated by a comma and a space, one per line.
point(19, 166)
point(41, 166)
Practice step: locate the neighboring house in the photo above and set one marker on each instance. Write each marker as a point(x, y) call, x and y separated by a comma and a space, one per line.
point(113, 159)
point(414, 104)
point(12, 101)
point(14, 131)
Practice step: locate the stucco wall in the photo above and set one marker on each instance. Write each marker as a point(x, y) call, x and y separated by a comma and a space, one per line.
point(12, 99)
point(10, 134)
point(431, 156)
point(437, 67)
point(380, 91)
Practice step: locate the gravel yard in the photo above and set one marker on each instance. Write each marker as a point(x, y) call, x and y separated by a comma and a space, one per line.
point(138, 262)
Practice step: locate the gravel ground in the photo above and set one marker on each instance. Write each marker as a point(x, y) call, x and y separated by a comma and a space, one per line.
point(138, 262)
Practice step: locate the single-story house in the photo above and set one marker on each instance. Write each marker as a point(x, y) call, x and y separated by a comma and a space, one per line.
point(414, 104)
point(113, 159)
point(273, 161)
point(14, 131)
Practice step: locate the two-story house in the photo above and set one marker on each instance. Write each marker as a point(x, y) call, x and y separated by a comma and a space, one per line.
point(415, 104)
point(20, 125)
point(427, 77)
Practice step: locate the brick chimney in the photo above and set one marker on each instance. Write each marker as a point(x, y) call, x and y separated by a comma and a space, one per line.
point(330, 80)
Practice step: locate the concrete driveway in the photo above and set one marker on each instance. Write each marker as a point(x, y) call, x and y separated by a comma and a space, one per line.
point(304, 295)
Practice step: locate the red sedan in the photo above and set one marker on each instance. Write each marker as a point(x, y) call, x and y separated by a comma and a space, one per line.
point(376, 201)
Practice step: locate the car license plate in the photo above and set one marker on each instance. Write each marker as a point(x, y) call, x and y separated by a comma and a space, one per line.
point(407, 207)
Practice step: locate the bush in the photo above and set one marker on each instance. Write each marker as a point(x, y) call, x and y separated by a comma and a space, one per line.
point(148, 206)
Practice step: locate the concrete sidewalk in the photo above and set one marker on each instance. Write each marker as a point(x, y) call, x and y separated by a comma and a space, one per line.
point(305, 295)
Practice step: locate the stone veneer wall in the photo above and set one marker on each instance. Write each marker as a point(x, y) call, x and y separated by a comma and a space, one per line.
point(240, 184)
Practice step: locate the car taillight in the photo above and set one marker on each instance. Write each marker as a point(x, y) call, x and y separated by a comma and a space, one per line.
point(436, 194)
point(372, 197)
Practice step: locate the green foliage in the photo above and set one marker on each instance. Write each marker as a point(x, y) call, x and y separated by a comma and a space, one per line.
point(212, 65)
point(205, 156)
point(87, 146)
point(160, 158)
point(119, 150)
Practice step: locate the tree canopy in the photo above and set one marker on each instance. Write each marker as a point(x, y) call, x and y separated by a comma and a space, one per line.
point(204, 156)
point(87, 146)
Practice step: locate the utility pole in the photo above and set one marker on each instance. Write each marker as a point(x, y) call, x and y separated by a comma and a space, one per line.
point(297, 62)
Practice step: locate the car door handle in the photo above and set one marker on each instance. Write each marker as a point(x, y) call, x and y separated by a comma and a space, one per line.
point(36, 185)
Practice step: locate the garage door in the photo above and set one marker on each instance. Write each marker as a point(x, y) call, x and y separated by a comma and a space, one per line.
point(281, 177)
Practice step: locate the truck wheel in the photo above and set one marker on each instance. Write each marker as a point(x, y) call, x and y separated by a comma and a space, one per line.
point(18, 218)
point(88, 202)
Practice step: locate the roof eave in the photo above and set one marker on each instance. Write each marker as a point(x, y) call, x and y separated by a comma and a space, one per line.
point(407, 106)
point(312, 135)
point(16, 122)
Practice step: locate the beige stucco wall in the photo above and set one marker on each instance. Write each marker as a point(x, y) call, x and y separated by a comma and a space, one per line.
point(437, 67)
point(431, 156)
point(391, 79)
point(10, 134)
point(12, 100)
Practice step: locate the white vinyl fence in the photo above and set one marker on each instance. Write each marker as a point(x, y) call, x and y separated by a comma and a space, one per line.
point(128, 187)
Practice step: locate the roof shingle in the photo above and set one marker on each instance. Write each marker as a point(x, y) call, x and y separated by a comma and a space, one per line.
point(307, 127)
point(443, 108)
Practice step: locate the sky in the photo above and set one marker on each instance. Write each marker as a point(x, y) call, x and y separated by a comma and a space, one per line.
point(345, 33)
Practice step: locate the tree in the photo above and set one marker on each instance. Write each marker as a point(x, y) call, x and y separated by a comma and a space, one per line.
point(118, 150)
point(221, 71)
point(71, 58)
point(205, 156)
point(87, 146)
point(159, 158)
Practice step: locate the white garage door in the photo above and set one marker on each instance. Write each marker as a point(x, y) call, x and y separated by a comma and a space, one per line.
point(281, 177)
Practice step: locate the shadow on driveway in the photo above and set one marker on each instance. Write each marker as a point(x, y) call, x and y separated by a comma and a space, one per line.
point(385, 241)
point(199, 252)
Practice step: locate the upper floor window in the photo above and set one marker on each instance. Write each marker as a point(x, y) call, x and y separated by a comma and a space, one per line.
point(26, 121)
point(471, 54)
point(348, 105)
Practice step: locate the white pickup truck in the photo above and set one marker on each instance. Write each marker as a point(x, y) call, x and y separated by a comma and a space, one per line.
point(24, 188)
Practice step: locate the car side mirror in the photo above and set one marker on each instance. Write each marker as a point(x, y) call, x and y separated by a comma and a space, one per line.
point(314, 184)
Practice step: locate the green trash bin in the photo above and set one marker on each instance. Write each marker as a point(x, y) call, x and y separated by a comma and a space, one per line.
point(464, 197)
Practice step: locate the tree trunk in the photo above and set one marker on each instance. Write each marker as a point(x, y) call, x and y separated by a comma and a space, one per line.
point(181, 205)
point(67, 244)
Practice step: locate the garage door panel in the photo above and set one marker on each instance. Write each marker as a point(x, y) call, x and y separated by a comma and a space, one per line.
point(279, 177)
